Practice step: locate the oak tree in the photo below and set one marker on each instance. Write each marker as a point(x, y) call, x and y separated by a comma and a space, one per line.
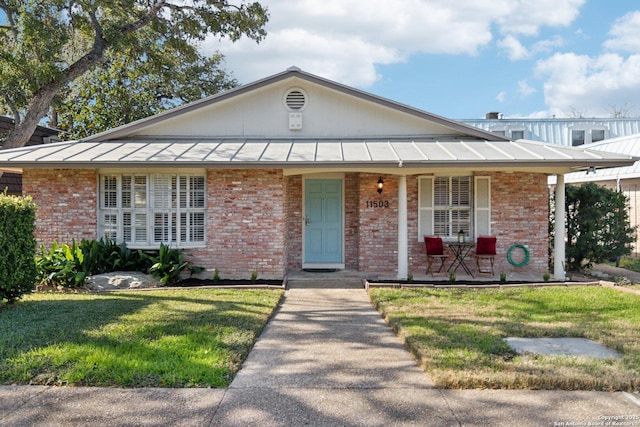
point(46, 45)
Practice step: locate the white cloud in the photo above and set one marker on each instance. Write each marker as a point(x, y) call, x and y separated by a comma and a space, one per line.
point(501, 97)
point(546, 46)
point(525, 17)
point(515, 50)
point(625, 34)
point(589, 84)
point(524, 89)
point(345, 40)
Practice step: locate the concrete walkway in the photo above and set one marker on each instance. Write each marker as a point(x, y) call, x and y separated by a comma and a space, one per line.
point(325, 359)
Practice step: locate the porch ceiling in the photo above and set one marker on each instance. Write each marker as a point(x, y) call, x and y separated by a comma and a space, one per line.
point(347, 154)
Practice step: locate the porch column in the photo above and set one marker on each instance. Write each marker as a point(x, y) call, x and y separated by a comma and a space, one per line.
point(559, 245)
point(403, 249)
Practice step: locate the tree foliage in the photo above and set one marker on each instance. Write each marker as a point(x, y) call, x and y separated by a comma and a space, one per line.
point(45, 45)
point(136, 83)
point(598, 226)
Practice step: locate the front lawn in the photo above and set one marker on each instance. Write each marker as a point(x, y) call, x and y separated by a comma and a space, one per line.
point(164, 338)
point(457, 335)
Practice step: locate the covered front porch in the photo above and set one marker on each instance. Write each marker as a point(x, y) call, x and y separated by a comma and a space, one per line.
point(382, 232)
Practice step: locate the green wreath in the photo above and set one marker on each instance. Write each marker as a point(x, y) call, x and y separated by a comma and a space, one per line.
point(526, 255)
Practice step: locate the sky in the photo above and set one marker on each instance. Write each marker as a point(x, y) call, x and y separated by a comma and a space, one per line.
point(458, 58)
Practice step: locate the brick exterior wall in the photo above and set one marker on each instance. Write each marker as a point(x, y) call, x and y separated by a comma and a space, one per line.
point(293, 203)
point(255, 216)
point(352, 211)
point(378, 226)
point(66, 200)
point(245, 224)
point(520, 215)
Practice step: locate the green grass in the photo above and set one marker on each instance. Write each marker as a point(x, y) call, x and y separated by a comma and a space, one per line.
point(632, 264)
point(166, 338)
point(457, 335)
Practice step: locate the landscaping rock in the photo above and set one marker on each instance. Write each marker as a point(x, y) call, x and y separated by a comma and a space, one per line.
point(121, 280)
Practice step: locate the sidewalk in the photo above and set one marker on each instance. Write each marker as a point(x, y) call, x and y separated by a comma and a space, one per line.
point(325, 359)
point(610, 272)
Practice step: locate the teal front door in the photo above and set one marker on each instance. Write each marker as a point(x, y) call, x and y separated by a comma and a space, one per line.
point(323, 223)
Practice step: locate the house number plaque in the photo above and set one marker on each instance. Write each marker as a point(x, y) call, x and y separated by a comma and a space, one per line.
point(377, 203)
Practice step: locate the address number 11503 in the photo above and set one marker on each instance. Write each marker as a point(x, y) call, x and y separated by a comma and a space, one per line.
point(377, 203)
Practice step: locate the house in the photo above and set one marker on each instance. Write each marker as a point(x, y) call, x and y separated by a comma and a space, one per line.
point(12, 181)
point(297, 172)
point(560, 131)
point(625, 178)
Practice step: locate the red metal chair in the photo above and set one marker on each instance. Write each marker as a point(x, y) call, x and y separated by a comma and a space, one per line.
point(435, 251)
point(486, 250)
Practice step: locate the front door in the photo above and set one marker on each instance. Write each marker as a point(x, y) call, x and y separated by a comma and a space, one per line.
point(323, 235)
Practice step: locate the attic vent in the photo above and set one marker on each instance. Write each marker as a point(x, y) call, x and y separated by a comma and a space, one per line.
point(295, 100)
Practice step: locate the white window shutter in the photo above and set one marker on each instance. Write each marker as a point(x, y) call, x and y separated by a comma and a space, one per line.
point(425, 206)
point(482, 205)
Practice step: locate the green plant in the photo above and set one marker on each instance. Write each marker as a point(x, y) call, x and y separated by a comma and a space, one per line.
point(167, 265)
point(598, 226)
point(546, 276)
point(503, 277)
point(452, 276)
point(195, 269)
point(409, 277)
point(216, 275)
point(254, 275)
point(17, 246)
point(62, 265)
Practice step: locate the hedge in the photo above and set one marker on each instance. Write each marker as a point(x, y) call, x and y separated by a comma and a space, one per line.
point(17, 246)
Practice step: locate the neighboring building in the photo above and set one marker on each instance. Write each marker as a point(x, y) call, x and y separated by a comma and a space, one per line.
point(294, 172)
point(568, 132)
point(12, 181)
point(625, 179)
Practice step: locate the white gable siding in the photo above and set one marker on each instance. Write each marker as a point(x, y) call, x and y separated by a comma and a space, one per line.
point(328, 113)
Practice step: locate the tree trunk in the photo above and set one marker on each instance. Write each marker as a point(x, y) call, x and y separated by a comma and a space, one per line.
point(42, 98)
point(37, 109)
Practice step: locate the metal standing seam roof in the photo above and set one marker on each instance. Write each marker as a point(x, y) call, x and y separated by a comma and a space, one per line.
point(556, 130)
point(627, 145)
point(259, 152)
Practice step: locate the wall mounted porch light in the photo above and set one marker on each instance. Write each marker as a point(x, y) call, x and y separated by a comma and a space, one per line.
point(380, 184)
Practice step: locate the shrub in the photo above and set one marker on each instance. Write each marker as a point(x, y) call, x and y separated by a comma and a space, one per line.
point(168, 265)
point(69, 265)
point(62, 265)
point(598, 226)
point(17, 246)
point(104, 256)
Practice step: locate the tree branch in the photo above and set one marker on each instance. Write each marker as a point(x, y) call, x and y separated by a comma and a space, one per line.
point(12, 22)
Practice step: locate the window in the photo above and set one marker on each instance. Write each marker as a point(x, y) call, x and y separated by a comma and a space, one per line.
point(145, 210)
point(577, 137)
point(517, 134)
point(447, 204)
point(597, 135)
